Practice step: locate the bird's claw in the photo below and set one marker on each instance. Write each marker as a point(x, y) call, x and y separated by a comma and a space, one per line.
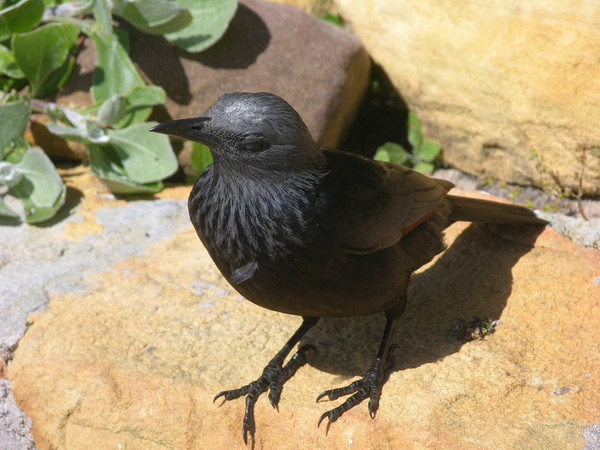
point(367, 387)
point(248, 425)
point(273, 377)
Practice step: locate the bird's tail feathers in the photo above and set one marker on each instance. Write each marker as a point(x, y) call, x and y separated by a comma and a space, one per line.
point(477, 210)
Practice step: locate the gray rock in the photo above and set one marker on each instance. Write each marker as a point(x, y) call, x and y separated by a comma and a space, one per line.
point(592, 437)
point(14, 424)
point(36, 263)
point(584, 232)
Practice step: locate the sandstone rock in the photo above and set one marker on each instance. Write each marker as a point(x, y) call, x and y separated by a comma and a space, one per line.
point(494, 82)
point(38, 262)
point(321, 69)
point(135, 358)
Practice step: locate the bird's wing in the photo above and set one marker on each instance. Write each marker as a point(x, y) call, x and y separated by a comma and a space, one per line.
point(376, 203)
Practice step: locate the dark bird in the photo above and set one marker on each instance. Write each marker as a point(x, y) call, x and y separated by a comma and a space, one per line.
point(304, 230)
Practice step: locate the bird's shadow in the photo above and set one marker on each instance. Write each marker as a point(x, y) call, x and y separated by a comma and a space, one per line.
point(471, 278)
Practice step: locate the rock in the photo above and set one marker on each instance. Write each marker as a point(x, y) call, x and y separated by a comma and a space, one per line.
point(14, 425)
point(592, 436)
point(38, 262)
point(494, 82)
point(131, 353)
point(321, 69)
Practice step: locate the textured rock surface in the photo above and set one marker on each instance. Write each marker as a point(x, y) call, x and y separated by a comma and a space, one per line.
point(319, 68)
point(14, 425)
point(87, 236)
point(92, 232)
point(135, 354)
point(494, 81)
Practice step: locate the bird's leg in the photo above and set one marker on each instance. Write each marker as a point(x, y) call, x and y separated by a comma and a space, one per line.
point(273, 377)
point(370, 385)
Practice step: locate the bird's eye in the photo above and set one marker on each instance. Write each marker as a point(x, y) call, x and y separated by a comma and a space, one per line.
point(255, 144)
point(198, 124)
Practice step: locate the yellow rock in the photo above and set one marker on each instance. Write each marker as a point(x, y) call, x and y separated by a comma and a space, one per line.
point(493, 82)
point(136, 359)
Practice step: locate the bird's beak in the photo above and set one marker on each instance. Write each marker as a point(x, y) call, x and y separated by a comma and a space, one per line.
point(193, 129)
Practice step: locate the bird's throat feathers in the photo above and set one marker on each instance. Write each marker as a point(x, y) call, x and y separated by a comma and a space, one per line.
point(253, 219)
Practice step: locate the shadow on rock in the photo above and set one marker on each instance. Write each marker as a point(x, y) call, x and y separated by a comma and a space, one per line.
point(471, 278)
point(244, 41)
point(233, 51)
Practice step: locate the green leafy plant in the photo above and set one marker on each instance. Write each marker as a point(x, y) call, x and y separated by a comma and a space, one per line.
point(423, 155)
point(39, 40)
point(201, 157)
point(26, 171)
point(333, 18)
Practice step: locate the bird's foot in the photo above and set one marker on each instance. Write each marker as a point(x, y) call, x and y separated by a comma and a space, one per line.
point(367, 387)
point(274, 375)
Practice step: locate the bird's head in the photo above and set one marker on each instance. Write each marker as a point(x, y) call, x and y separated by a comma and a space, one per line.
point(250, 131)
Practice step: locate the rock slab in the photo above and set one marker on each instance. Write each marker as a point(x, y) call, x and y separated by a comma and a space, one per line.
point(135, 359)
point(320, 69)
point(495, 82)
point(93, 231)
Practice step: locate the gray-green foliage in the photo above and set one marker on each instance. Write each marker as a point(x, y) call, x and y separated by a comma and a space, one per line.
point(423, 155)
point(38, 41)
point(201, 157)
point(209, 22)
point(27, 172)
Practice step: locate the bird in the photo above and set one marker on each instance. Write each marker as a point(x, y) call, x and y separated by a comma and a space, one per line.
point(315, 232)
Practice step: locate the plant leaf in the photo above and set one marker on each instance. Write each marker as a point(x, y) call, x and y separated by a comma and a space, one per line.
point(40, 52)
point(115, 73)
point(20, 17)
point(112, 109)
point(201, 157)
point(5, 211)
point(428, 151)
point(146, 96)
point(139, 104)
point(153, 16)
point(8, 66)
point(332, 18)
point(145, 157)
point(103, 15)
point(58, 77)
point(382, 155)
point(424, 167)
point(89, 132)
point(66, 132)
point(41, 189)
point(72, 8)
point(414, 130)
point(395, 153)
point(106, 165)
point(13, 120)
point(210, 19)
point(9, 174)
